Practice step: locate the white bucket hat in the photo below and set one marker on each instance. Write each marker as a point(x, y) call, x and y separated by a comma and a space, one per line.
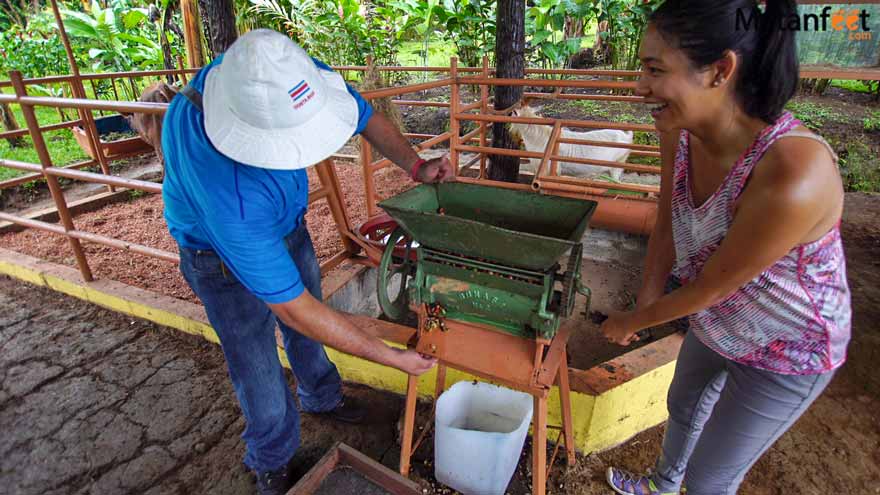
point(268, 105)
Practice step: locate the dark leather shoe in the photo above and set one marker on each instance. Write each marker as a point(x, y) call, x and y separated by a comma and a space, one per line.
point(348, 411)
point(276, 482)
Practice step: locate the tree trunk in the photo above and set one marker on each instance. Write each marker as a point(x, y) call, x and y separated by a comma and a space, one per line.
point(9, 124)
point(510, 41)
point(164, 26)
point(218, 17)
point(574, 28)
point(192, 36)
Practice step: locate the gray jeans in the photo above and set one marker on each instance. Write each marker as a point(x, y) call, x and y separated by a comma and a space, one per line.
point(723, 416)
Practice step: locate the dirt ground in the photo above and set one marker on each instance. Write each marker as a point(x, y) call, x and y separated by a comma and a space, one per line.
point(95, 402)
point(140, 221)
point(77, 380)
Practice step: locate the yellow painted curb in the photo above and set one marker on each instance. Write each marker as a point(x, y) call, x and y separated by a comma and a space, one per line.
point(601, 421)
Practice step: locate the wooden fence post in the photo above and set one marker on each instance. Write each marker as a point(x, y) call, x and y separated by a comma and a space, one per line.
point(46, 162)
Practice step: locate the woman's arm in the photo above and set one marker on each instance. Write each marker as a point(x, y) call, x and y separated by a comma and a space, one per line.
point(661, 250)
point(787, 197)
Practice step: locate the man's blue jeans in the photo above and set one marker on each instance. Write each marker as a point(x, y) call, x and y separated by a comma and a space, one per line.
point(246, 328)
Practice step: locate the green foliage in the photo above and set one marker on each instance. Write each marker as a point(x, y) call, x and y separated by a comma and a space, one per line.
point(811, 114)
point(111, 37)
point(871, 123)
point(33, 47)
point(135, 194)
point(63, 148)
point(549, 44)
point(470, 26)
point(858, 167)
point(411, 53)
point(34, 56)
point(340, 32)
point(593, 108)
point(854, 86)
point(627, 20)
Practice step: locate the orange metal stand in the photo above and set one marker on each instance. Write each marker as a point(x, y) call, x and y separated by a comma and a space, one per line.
point(527, 365)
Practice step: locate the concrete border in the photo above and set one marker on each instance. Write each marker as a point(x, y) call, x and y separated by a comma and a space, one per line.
point(611, 402)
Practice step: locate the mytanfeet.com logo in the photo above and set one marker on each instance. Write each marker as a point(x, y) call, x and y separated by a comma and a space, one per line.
point(854, 23)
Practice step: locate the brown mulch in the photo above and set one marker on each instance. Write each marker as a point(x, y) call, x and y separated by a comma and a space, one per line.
point(140, 221)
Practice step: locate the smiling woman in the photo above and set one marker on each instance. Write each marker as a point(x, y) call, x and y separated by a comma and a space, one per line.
point(748, 228)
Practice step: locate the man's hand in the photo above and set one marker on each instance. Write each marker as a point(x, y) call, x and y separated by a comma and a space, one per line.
point(617, 329)
point(435, 170)
point(317, 321)
point(386, 137)
point(412, 362)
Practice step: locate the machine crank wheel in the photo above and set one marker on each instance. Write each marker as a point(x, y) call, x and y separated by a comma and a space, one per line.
point(569, 289)
point(394, 273)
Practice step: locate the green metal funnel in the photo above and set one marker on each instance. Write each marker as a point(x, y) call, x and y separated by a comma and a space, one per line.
point(514, 228)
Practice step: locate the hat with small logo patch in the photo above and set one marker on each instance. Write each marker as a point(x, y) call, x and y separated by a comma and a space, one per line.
point(268, 105)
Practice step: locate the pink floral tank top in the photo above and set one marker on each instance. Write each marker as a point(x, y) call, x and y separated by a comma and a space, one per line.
point(794, 318)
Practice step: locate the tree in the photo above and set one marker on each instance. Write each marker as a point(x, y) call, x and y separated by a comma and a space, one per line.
point(218, 17)
point(9, 124)
point(510, 45)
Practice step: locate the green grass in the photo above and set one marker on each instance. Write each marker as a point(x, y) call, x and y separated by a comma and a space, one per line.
point(811, 114)
point(613, 110)
point(858, 167)
point(594, 108)
point(871, 123)
point(63, 148)
point(410, 53)
point(439, 51)
point(850, 85)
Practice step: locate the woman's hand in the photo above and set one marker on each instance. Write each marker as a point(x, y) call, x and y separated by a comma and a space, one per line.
point(435, 170)
point(619, 329)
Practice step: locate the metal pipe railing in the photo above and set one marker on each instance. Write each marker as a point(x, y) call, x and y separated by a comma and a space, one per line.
point(87, 104)
point(71, 173)
point(401, 90)
point(54, 188)
point(587, 124)
point(330, 192)
point(23, 179)
point(45, 128)
point(92, 237)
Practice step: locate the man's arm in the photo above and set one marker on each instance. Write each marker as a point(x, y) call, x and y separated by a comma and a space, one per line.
point(319, 322)
point(386, 137)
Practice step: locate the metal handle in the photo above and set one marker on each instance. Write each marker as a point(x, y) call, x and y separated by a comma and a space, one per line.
point(586, 292)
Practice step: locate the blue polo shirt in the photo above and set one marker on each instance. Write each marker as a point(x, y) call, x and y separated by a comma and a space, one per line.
point(241, 212)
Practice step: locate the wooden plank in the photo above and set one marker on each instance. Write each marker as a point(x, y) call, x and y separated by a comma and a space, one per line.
point(377, 473)
point(309, 483)
point(555, 357)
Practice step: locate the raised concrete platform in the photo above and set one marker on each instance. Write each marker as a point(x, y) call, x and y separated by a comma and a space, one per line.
point(611, 401)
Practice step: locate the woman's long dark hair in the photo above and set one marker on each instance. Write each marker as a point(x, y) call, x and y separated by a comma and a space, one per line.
point(704, 30)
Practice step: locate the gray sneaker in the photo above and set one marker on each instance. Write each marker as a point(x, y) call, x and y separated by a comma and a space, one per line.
point(626, 483)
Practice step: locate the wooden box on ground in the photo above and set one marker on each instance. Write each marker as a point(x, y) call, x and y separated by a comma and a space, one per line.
point(112, 149)
point(344, 470)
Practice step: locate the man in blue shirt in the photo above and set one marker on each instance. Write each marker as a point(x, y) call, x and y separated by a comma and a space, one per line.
point(236, 144)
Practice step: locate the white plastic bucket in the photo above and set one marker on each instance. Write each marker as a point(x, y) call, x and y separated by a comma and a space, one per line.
point(479, 434)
